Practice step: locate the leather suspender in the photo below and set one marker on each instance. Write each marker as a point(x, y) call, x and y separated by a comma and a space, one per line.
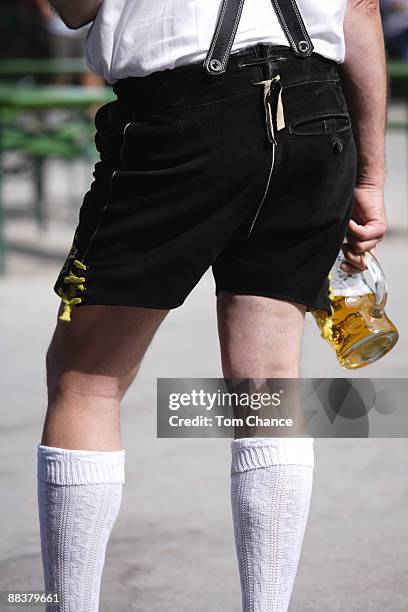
point(224, 35)
point(293, 25)
point(289, 17)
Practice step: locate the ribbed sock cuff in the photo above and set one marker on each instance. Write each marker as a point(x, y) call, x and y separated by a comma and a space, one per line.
point(255, 453)
point(74, 467)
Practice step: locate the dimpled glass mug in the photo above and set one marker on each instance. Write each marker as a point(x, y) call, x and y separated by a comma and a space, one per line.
point(357, 329)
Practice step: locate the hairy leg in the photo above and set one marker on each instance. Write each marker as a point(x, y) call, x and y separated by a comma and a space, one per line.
point(81, 464)
point(90, 364)
point(271, 477)
point(260, 337)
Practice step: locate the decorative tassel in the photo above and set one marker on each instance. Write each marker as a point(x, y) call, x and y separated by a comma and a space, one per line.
point(69, 297)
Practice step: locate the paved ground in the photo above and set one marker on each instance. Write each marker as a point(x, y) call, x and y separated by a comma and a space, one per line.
point(172, 548)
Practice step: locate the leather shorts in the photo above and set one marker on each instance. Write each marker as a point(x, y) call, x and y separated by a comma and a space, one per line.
point(250, 173)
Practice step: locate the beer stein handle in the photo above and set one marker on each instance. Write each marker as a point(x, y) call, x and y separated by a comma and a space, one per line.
point(379, 279)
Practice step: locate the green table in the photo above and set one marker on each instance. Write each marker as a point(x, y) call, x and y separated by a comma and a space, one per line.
point(43, 98)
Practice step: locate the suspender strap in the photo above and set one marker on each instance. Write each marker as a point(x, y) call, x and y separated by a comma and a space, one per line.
point(293, 25)
point(223, 39)
point(289, 17)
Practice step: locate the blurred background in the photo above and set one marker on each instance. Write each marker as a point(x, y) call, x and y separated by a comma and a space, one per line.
point(172, 548)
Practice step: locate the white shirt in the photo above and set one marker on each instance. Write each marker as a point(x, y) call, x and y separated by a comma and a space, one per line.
point(138, 37)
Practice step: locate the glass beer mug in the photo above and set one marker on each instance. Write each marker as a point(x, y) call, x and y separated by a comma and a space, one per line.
point(358, 329)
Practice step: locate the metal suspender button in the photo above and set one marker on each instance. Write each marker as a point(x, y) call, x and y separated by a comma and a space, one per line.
point(215, 65)
point(303, 47)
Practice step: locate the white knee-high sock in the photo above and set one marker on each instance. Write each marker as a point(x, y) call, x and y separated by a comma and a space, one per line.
point(79, 495)
point(271, 485)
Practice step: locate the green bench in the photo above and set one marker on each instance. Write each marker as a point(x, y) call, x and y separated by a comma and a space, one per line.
point(33, 67)
point(65, 142)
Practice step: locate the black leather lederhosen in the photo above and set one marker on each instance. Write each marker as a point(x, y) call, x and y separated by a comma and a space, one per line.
point(188, 178)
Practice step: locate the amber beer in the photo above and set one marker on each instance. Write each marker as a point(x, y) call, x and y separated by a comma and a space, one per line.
point(357, 337)
point(357, 328)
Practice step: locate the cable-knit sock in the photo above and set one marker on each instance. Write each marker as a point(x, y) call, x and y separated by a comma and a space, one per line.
point(79, 495)
point(271, 486)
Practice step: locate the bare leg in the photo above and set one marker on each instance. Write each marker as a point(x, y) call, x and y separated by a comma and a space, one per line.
point(271, 478)
point(90, 364)
point(260, 337)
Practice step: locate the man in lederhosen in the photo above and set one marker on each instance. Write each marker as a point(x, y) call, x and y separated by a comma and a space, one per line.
point(230, 145)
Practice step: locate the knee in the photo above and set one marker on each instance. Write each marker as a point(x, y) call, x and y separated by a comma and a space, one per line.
point(71, 377)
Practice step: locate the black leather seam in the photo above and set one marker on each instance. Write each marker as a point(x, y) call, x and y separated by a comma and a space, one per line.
point(311, 82)
point(202, 104)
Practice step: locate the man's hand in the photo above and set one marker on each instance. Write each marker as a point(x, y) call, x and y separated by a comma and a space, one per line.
point(366, 228)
